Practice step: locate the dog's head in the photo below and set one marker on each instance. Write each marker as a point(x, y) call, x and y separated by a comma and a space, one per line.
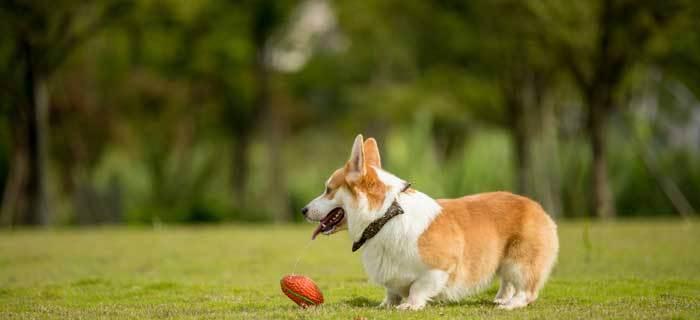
point(355, 194)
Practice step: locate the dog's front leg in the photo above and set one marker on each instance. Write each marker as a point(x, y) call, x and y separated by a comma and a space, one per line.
point(425, 288)
point(391, 299)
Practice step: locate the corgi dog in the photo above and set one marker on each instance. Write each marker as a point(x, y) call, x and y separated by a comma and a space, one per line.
point(421, 249)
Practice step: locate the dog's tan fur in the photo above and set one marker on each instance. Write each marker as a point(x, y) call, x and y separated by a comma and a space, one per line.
point(475, 235)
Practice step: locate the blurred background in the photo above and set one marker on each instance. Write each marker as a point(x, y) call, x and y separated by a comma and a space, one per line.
point(170, 111)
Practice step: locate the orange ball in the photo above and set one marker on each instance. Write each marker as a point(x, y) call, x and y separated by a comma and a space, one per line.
point(302, 290)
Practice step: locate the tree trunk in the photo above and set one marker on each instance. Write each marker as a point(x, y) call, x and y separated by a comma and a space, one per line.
point(266, 18)
point(25, 200)
point(274, 133)
point(521, 142)
point(549, 173)
point(239, 170)
point(603, 205)
point(14, 203)
point(39, 150)
point(277, 183)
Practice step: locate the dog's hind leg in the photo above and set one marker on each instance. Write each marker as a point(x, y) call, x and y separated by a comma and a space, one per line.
point(528, 263)
point(512, 294)
point(424, 289)
point(505, 292)
point(391, 299)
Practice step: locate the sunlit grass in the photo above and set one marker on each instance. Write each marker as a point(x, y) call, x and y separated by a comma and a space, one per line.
point(642, 269)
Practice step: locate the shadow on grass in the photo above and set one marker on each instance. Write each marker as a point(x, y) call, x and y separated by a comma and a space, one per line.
point(90, 281)
point(261, 307)
point(361, 302)
point(479, 302)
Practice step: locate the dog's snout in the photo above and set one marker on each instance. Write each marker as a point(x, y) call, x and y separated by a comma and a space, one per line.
point(304, 211)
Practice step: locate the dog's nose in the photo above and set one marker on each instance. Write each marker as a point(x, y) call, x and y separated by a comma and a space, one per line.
point(304, 211)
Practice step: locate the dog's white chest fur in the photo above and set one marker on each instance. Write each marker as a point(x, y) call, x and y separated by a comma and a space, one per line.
point(391, 258)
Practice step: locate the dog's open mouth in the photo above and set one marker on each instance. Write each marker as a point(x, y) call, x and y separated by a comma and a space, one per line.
point(329, 224)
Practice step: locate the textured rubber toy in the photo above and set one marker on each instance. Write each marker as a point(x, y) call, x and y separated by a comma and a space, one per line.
point(302, 290)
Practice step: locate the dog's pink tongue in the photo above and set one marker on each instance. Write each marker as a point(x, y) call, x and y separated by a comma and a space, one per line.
point(317, 231)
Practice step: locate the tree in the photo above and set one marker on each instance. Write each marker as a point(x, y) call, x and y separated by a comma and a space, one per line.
point(244, 114)
point(599, 44)
point(527, 76)
point(42, 38)
point(502, 55)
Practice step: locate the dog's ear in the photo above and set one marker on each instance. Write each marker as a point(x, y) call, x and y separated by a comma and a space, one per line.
point(355, 168)
point(372, 157)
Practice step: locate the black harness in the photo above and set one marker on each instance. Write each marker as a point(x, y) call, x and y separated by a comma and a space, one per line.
point(376, 225)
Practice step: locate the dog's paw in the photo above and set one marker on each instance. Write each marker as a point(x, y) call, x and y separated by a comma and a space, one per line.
point(411, 306)
point(385, 304)
point(500, 301)
point(510, 305)
point(517, 301)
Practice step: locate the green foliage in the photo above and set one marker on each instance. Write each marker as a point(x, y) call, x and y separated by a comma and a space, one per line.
point(163, 99)
point(233, 271)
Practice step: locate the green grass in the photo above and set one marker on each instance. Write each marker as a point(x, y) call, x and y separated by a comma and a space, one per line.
point(641, 269)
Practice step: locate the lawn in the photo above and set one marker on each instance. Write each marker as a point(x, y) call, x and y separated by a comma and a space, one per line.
point(626, 270)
